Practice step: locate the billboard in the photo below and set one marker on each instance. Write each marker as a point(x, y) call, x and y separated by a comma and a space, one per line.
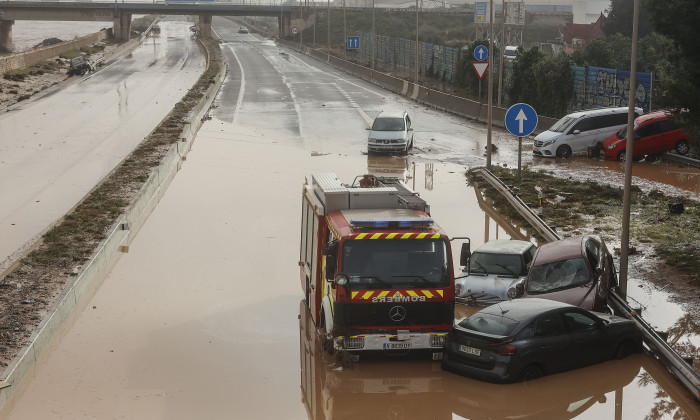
point(597, 87)
point(515, 13)
point(480, 12)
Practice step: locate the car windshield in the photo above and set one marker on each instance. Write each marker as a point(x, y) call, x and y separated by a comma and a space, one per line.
point(557, 275)
point(489, 324)
point(623, 131)
point(392, 263)
point(561, 125)
point(388, 124)
point(499, 264)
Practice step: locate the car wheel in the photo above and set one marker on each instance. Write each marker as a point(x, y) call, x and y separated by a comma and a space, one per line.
point(682, 147)
point(531, 372)
point(563, 151)
point(624, 349)
point(622, 156)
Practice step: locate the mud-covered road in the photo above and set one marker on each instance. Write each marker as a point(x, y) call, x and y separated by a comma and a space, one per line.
point(202, 318)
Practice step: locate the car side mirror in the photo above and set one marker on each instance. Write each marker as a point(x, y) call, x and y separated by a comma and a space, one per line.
point(465, 254)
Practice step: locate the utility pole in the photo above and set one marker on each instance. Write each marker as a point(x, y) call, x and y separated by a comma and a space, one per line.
point(490, 104)
point(501, 48)
point(374, 37)
point(625, 238)
point(345, 34)
point(329, 30)
point(417, 45)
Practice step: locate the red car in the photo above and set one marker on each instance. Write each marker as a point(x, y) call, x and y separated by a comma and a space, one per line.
point(655, 132)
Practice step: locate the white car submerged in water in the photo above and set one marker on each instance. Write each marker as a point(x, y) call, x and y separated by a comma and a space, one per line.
point(493, 269)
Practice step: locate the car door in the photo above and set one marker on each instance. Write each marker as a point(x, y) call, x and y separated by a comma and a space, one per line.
point(553, 342)
point(582, 135)
point(591, 344)
point(646, 137)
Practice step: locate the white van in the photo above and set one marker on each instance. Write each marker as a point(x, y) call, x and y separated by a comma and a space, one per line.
point(575, 133)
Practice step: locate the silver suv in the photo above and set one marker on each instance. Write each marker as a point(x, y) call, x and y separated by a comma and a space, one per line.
point(391, 131)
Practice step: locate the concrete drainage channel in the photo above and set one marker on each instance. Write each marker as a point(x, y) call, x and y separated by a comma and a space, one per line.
point(75, 296)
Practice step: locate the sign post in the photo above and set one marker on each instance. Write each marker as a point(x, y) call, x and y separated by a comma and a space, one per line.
point(481, 53)
point(521, 120)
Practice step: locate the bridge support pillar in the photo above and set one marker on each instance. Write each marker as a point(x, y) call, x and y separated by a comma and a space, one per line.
point(6, 35)
point(285, 25)
point(205, 25)
point(122, 26)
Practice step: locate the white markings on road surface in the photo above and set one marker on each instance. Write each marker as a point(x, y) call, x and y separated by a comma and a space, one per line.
point(353, 104)
point(242, 89)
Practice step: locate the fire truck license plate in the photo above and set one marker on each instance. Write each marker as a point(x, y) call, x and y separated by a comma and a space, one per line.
point(397, 346)
point(469, 350)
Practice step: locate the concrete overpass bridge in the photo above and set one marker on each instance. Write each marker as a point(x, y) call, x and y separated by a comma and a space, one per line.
point(120, 14)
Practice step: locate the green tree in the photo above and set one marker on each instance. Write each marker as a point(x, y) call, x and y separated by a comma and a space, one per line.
point(543, 81)
point(619, 19)
point(676, 19)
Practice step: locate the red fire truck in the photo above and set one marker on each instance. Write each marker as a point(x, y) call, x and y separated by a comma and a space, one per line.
point(376, 270)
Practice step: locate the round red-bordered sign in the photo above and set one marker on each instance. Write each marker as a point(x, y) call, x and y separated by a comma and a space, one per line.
point(295, 30)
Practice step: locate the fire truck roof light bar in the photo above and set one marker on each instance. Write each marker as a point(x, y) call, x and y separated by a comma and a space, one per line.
point(400, 222)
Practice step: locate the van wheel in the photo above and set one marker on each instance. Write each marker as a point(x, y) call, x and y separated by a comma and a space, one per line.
point(622, 156)
point(682, 147)
point(563, 151)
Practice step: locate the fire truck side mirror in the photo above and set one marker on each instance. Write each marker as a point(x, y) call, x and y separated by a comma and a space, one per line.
point(330, 251)
point(465, 255)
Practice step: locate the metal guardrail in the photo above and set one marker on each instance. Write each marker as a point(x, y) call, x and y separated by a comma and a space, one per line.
point(545, 230)
point(676, 365)
point(674, 157)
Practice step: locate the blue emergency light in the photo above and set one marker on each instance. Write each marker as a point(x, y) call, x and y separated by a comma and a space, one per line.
point(394, 222)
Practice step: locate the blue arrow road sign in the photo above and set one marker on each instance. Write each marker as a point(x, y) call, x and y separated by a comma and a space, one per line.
point(521, 120)
point(481, 53)
point(353, 43)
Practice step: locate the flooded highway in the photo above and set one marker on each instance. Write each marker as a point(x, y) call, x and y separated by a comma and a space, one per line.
point(59, 146)
point(202, 318)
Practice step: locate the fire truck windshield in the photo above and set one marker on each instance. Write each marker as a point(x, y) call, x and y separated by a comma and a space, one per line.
point(395, 263)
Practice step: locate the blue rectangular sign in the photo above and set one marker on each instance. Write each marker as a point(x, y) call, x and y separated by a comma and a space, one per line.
point(480, 9)
point(353, 43)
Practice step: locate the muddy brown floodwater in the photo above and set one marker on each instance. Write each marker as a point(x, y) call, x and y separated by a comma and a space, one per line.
point(202, 318)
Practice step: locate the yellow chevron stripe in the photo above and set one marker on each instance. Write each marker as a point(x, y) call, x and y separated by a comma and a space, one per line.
point(412, 293)
point(354, 294)
point(382, 294)
point(442, 292)
point(421, 235)
point(406, 235)
point(367, 295)
point(361, 236)
point(427, 293)
point(391, 235)
point(436, 236)
point(376, 236)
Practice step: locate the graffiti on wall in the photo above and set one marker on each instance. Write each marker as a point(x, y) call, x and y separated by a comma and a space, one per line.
point(597, 87)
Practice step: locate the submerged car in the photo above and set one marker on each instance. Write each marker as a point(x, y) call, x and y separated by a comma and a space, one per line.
point(577, 270)
point(243, 30)
point(493, 269)
point(525, 339)
point(391, 131)
point(656, 132)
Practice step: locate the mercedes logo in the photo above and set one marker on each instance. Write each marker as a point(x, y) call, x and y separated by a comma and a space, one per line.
point(397, 313)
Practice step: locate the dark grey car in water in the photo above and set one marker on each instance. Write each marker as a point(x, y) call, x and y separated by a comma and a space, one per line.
point(527, 338)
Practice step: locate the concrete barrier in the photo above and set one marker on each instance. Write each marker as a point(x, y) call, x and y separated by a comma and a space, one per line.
point(28, 58)
point(450, 103)
point(75, 296)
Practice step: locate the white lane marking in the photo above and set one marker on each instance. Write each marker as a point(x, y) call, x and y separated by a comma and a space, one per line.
point(242, 89)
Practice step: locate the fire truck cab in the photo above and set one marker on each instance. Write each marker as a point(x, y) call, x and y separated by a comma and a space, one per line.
point(376, 270)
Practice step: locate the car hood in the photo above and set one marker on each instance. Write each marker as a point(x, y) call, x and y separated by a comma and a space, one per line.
point(582, 296)
point(547, 135)
point(611, 140)
point(485, 288)
point(387, 135)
